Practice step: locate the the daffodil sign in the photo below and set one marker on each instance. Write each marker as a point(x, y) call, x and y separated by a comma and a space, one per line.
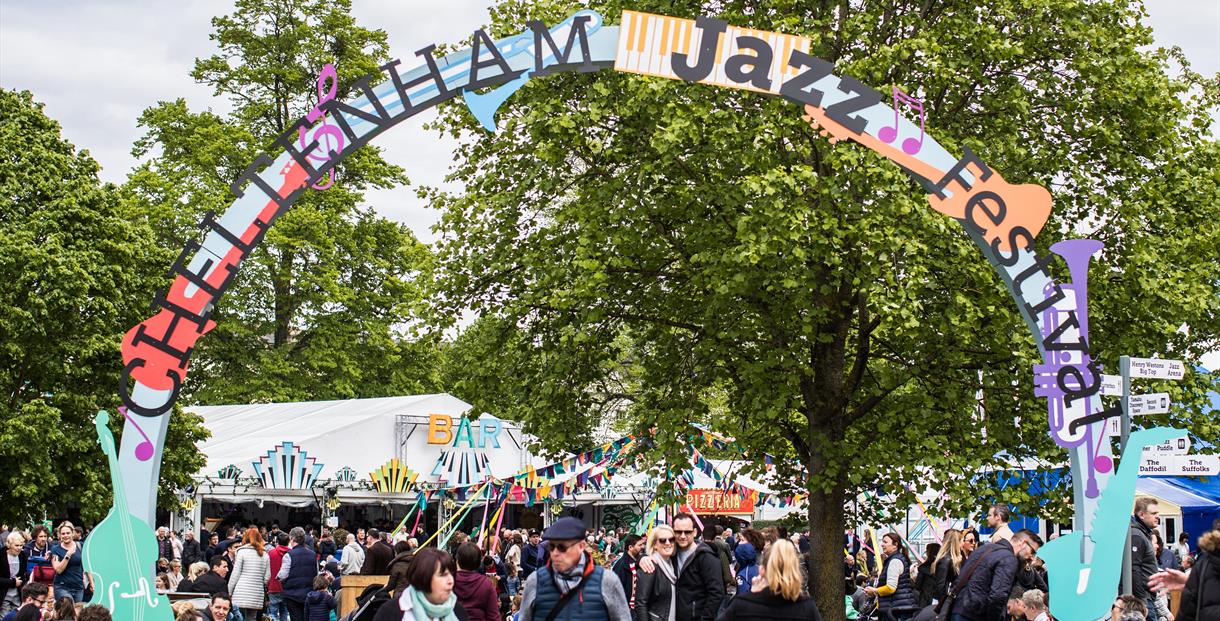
point(1002, 218)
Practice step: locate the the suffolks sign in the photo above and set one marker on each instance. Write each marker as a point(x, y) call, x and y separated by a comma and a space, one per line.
point(1002, 218)
point(1180, 466)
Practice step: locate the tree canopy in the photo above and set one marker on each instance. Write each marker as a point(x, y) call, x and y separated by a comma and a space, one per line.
point(76, 276)
point(673, 252)
point(320, 309)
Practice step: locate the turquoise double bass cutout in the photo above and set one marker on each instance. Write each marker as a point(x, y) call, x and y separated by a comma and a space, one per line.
point(121, 550)
point(1086, 590)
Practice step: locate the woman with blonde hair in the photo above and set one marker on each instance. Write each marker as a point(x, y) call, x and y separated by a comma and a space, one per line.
point(13, 574)
point(948, 564)
point(70, 576)
point(184, 610)
point(187, 585)
point(174, 576)
point(777, 593)
point(654, 591)
point(251, 571)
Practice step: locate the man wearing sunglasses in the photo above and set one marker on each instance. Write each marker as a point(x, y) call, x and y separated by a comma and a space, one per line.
point(570, 586)
point(700, 587)
point(988, 577)
point(33, 598)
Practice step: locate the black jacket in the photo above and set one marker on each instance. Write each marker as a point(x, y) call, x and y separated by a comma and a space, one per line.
point(653, 592)
point(210, 583)
point(925, 583)
point(1028, 577)
point(398, 570)
point(767, 606)
point(946, 575)
point(23, 572)
point(1201, 599)
point(624, 567)
point(985, 596)
point(326, 548)
point(1143, 558)
point(700, 585)
point(191, 554)
point(165, 549)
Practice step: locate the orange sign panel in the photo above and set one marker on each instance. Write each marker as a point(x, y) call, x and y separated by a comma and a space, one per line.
point(717, 502)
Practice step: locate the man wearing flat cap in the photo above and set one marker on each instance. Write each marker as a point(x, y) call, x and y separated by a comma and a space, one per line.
point(570, 586)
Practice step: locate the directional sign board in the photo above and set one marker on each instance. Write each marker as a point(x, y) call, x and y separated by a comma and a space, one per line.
point(1156, 368)
point(1198, 465)
point(1112, 385)
point(1152, 403)
point(1155, 466)
point(1180, 465)
point(1176, 446)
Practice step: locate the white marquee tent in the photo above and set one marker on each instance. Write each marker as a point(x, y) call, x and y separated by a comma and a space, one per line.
point(356, 433)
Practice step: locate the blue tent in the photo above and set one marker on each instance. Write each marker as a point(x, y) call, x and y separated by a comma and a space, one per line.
point(1199, 500)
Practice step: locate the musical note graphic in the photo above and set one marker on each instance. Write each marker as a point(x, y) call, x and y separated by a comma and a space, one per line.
point(145, 449)
point(888, 135)
point(330, 138)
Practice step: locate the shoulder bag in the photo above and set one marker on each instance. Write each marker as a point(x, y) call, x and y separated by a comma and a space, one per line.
point(945, 608)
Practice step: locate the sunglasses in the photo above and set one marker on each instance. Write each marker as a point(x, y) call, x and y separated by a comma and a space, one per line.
point(562, 547)
point(685, 533)
point(665, 540)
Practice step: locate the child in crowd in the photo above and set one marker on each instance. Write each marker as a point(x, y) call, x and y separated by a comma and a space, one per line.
point(512, 583)
point(320, 602)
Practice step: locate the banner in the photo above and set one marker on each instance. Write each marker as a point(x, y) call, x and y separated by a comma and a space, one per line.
point(717, 502)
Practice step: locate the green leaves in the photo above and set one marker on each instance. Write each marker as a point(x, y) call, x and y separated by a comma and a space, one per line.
point(76, 276)
point(690, 246)
point(321, 309)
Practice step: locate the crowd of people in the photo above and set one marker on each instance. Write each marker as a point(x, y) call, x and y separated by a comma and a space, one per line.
point(678, 571)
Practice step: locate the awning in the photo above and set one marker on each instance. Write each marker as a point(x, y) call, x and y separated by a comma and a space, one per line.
point(1178, 491)
point(1208, 488)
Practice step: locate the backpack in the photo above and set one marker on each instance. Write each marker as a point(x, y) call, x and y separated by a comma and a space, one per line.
point(39, 567)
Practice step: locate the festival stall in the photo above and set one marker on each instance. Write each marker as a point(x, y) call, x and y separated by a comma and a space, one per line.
point(323, 456)
point(367, 460)
point(1186, 504)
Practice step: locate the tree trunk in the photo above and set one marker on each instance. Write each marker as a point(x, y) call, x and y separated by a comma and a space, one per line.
point(285, 306)
point(826, 525)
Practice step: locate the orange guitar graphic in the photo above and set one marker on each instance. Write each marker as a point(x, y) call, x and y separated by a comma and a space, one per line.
point(996, 209)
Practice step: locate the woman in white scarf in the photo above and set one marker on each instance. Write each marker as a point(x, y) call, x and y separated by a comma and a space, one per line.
point(654, 592)
point(428, 595)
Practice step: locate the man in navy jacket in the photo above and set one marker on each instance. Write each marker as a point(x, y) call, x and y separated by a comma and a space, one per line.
point(531, 554)
point(990, 572)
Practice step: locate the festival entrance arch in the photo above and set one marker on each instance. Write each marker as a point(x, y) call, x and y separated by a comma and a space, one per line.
point(1002, 218)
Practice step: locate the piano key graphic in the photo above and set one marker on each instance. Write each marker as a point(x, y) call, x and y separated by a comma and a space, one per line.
point(647, 42)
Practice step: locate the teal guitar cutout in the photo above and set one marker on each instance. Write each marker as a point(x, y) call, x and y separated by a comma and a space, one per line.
point(1085, 591)
point(121, 551)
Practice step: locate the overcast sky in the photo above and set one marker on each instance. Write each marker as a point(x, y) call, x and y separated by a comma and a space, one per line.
point(98, 64)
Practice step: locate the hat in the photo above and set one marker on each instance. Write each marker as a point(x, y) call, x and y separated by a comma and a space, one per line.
point(534, 531)
point(565, 529)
